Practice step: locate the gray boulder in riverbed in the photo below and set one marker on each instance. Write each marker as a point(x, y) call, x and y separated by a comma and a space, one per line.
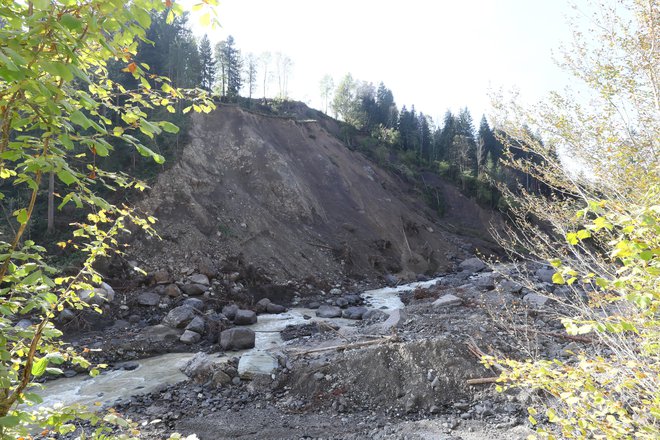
point(245, 317)
point(190, 337)
point(328, 312)
point(472, 265)
point(237, 338)
point(354, 312)
point(179, 317)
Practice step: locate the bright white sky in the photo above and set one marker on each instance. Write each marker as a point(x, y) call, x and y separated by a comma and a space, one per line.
point(435, 54)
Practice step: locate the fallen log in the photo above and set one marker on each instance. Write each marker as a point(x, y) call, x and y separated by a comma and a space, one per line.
point(482, 380)
point(348, 346)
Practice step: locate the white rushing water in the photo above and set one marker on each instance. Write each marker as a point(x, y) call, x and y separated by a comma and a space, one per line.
point(157, 371)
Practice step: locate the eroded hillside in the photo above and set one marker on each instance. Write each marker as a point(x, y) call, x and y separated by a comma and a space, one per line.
point(291, 199)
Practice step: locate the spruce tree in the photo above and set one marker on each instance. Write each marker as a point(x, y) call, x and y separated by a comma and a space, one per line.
point(207, 63)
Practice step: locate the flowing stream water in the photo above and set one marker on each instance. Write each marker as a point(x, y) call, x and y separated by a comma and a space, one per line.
point(152, 373)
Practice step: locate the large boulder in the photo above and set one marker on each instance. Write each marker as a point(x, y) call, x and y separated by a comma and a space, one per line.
point(245, 317)
point(230, 311)
point(472, 265)
point(237, 338)
point(190, 337)
point(200, 368)
point(326, 311)
point(354, 312)
point(160, 333)
point(196, 325)
point(179, 317)
point(275, 308)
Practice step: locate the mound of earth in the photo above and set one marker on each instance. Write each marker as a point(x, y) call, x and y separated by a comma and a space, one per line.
point(290, 198)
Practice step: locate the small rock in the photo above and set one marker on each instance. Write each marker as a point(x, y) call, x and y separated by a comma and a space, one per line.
point(194, 289)
point(314, 305)
point(237, 338)
point(172, 290)
point(508, 286)
point(196, 325)
point(230, 311)
point(130, 366)
point(199, 278)
point(260, 306)
point(160, 333)
point(148, 299)
point(200, 368)
point(195, 303)
point(236, 380)
point(190, 337)
point(485, 281)
point(179, 317)
point(545, 275)
point(353, 299)
point(472, 265)
point(535, 300)
point(220, 378)
point(447, 300)
point(275, 308)
point(328, 312)
point(161, 277)
point(245, 317)
point(391, 280)
point(354, 312)
point(23, 324)
point(67, 315)
point(374, 315)
point(335, 291)
point(341, 302)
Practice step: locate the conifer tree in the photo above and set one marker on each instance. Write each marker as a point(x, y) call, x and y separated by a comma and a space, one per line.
point(207, 63)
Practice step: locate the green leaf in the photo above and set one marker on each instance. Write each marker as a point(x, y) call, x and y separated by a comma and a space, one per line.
point(33, 397)
point(142, 17)
point(58, 69)
point(39, 367)
point(205, 20)
point(169, 127)
point(9, 421)
point(21, 216)
point(80, 119)
point(572, 238)
point(66, 177)
point(557, 278)
point(71, 22)
point(583, 233)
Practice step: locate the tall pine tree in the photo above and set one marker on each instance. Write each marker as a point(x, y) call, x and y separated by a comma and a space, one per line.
point(207, 64)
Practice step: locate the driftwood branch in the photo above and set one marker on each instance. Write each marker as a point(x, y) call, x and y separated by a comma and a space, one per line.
point(482, 380)
point(472, 346)
point(342, 347)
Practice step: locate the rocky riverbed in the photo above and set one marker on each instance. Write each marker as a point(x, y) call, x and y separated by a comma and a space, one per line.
point(340, 363)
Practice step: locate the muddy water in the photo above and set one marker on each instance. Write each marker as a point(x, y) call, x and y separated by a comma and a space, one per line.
point(157, 371)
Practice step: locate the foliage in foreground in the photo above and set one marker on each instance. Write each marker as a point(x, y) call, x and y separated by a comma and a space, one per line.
point(600, 230)
point(58, 109)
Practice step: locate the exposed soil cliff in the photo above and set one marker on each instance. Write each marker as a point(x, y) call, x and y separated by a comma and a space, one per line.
point(291, 199)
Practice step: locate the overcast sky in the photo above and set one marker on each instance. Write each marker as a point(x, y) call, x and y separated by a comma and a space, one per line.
point(433, 54)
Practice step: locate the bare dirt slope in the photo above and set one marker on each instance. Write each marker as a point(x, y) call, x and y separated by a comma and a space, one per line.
point(291, 199)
